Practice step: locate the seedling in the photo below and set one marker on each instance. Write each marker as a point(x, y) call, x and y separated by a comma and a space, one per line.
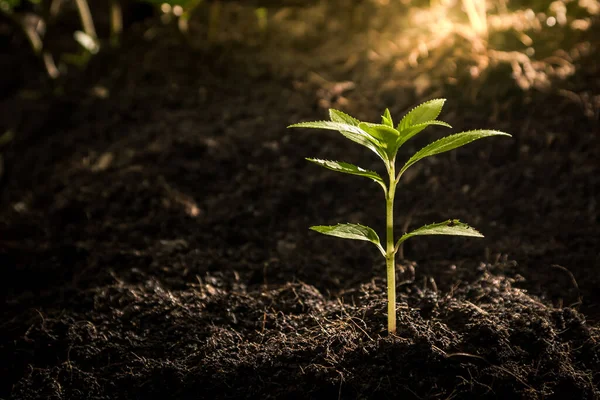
point(385, 140)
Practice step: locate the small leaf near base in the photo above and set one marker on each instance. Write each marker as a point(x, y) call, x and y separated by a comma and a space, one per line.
point(350, 231)
point(451, 227)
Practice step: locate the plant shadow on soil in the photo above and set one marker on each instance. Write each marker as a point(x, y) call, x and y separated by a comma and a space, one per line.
point(154, 245)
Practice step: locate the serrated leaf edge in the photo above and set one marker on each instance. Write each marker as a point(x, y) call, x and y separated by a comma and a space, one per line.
point(376, 243)
point(355, 120)
point(495, 133)
point(319, 161)
point(455, 222)
point(420, 105)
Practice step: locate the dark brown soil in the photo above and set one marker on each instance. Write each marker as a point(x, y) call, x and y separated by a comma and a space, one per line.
point(154, 242)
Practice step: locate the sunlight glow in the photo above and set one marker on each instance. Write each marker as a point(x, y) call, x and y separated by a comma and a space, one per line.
point(165, 8)
point(454, 38)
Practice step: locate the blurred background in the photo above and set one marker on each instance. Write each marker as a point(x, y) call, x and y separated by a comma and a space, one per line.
point(409, 43)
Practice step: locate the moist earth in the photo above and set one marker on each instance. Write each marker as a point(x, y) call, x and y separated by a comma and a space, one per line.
point(154, 244)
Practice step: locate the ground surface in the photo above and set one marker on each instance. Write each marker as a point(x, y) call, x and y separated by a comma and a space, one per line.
point(153, 235)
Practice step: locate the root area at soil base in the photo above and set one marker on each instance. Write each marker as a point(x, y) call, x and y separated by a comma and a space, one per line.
point(486, 340)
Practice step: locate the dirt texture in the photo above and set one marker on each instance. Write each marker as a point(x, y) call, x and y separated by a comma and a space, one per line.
point(154, 241)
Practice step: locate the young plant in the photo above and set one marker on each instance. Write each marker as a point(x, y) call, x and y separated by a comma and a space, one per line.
point(384, 140)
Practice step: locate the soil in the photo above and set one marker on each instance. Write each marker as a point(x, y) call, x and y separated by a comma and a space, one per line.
point(154, 244)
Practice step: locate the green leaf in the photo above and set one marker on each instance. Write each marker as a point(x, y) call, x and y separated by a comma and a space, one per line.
point(413, 130)
point(450, 143)
point(451, 227)
point(383, 133)
point(386, 118)
point(387, 136)
point(425, 112)
point(330, 125)
point(350, 231)
point(338, 116)
point(349, 131)
point(347, 168)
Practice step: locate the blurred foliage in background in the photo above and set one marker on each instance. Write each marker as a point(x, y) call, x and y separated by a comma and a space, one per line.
point(463, 44)
point(534, 42)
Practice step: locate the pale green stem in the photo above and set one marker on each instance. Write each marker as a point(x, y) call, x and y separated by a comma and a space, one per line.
point(35, 40)
point(86, 18)
point(32, 36)
point(116, 22)
point(390, 256)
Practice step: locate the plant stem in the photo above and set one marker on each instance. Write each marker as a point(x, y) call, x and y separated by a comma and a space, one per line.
point(390, 256)
point(116, 22)
point(86, 18)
